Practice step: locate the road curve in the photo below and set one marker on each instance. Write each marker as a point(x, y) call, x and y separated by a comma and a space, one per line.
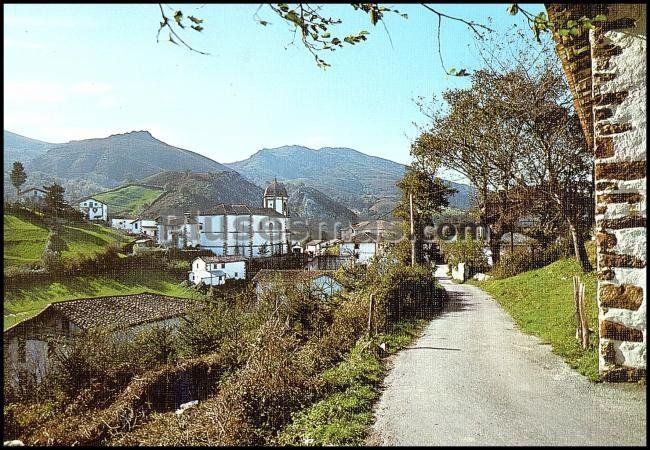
point(474, 379)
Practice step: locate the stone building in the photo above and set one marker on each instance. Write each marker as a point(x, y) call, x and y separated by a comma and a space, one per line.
point(606, 72)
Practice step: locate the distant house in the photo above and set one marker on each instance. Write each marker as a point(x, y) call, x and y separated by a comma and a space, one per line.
point(296, 248)
point(27, 345)
point(215, 270)
point(148, 242)
point(33, 195)
point(383, 228)
point(318, 282)
point(94, 209)
point(144, 227)
point(361, 247)
point(121, 223)
point(313, 247)
point(179, 232)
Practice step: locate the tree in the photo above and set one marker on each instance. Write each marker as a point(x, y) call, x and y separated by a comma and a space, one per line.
point(18, 176)
point(54, 201)
point(263, 249)
point(430, 195)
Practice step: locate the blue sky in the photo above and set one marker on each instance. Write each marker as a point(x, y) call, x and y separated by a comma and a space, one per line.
point(76, 72)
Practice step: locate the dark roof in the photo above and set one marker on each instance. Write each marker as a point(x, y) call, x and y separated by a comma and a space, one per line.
point(33, 189)
point(177, 221)
point(82, 199)
point(222, 259)
point(120, 311)
point(275, 189)
point(364, 237)
point(288, 275)
point(242, 210)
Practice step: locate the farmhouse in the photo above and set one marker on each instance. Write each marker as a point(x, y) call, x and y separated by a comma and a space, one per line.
point(179, 232)
point(215, 270)
point(318, 282)
point(33, 195)
point(93, 209)
point(28, 343)
point(121, 223)
point(313, 247)
point(144, 227)
point(383, 228)
point(361, 247)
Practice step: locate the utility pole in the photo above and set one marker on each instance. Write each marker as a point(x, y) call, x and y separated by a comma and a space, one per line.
point(412, 231)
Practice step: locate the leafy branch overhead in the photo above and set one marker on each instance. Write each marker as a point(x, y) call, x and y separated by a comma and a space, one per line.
point(564, 26)
point(317, 31)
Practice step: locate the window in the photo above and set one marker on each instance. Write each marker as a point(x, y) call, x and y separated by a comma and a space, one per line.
point(223, 265)
point(356, 246)
point(236, 274)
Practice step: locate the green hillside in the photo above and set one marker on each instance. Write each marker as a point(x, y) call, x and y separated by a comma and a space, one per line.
point(25, 240)
point(129, 199)
point(541, 303)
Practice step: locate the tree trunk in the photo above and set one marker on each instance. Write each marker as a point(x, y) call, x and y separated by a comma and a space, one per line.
point(495, 246)
point(579, 248)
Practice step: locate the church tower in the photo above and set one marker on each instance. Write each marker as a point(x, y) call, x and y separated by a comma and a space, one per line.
point(276, 197)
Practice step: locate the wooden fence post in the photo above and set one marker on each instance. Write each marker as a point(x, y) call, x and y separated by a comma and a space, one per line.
point(370, 312)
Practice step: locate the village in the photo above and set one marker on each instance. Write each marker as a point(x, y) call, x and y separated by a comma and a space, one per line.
point(319, 281)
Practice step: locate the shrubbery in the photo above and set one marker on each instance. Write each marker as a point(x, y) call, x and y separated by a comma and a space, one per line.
point(468, 251)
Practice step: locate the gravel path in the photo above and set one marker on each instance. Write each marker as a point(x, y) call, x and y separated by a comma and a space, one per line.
point(474, 379)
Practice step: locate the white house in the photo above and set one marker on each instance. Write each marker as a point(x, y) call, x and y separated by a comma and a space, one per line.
point(144, 227)
point(179, 232)
point(94, 209)
point(319, 282)
point(121, 223)
point(314, 247)
point(362, 247)
point(27, 344)
point(32, 195)
point(215, 270)
point(244, 230)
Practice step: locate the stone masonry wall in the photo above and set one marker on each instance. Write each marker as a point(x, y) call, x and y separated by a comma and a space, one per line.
point(618, 52)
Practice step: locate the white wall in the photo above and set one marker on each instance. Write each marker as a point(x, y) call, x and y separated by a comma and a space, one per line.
point(365, 251)
point(200, 271)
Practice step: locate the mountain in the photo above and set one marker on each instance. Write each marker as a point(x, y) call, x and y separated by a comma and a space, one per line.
point(21, 148)
point(363, 183)
point(114, 159)
point(190, 191)
point(310, 203)
point(87, 166)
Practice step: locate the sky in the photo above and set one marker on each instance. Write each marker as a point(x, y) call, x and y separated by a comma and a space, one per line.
point(85, 71)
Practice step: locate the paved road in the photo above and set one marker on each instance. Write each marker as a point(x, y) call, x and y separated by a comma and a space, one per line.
point(474, 379)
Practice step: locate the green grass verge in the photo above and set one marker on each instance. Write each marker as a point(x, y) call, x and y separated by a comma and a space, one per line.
point(128, 199)
point(20, 304)
point(24, 241)
point(541, 303)
point(345, 416)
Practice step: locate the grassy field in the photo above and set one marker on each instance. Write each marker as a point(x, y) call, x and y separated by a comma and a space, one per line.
point(24, 241)
point(541, 303)
point(20, 304)
point(89, 239)
point(128, 199)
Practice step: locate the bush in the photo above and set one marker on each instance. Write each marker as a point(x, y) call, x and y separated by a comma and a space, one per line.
point(468, 251)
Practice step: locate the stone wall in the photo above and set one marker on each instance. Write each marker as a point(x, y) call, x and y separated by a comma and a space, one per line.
point(618, 76)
